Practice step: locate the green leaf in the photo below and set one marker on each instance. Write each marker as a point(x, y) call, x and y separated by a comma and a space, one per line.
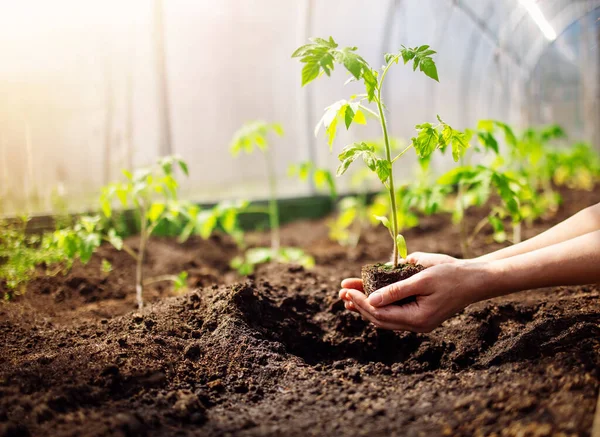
point(259, 255)
point(206, 223)
point(353, 63)
point(421, 58)
point(385, 222)
point(426, 141)
point(348, 115)
point(350, 153)
point(183, 166)
point(488, 141)
point(428, 67)
point(456, 139)
point(114, 239)
point(310, 72)
point(508, 195)
point(401, 244)
point(155, 211)
point(106, 266)
point(383, 170)
point(180, 281)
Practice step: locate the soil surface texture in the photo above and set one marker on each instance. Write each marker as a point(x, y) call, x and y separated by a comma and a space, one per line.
point(276, 353)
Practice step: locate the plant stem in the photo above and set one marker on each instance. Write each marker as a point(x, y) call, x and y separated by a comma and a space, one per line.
point(139, 274)
point(402, 153)
point(273, 207)
point(476, 231)
point(516, 233)
point(388, 155)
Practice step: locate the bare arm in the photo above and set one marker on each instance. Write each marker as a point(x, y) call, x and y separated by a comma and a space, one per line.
point(587, 220)
point(446, 288)
point(572, 262)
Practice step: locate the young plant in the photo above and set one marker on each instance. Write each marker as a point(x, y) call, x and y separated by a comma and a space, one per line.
point(320, 57)
point(21, 254)
point(476, 184)
point(253, 135)
point(152, 193)
point(223, 216)
point(321, 177)
point(577, 167)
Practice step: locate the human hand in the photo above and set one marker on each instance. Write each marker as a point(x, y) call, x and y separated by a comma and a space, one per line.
point(430, 259)
point(440, 291)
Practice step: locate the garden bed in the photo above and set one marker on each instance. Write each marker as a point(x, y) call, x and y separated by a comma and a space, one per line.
point(277, 353)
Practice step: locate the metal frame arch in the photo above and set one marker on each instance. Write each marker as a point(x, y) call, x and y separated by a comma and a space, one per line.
point(541, 44)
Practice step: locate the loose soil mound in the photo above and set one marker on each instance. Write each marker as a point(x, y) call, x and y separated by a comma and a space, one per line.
point(277, 354)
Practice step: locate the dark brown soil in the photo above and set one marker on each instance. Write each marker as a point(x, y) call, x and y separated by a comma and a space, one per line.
point(277, 354)
point(376, 276)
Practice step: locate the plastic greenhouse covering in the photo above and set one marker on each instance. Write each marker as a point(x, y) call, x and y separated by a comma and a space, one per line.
point(82, 101)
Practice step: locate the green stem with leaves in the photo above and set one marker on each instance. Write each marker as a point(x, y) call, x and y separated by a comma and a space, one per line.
point(388, 156)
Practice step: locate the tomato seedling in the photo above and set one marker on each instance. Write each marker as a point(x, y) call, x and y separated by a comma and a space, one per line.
point(152, 193)
point(321, 177)
point(253, 135)
point(320, 57)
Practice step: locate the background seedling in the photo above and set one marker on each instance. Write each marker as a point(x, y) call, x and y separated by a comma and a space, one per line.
point(253, 135)
point(320, 57)
point(152, 193)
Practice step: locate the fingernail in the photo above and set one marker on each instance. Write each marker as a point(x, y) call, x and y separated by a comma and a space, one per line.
point(376, 298)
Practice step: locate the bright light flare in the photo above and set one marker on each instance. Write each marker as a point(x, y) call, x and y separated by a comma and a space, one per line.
point(538, 17)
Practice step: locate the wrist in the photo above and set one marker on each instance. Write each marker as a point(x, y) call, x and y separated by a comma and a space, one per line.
point(483, 279)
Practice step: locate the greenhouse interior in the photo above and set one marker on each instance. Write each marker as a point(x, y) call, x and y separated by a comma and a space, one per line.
point(300, 218)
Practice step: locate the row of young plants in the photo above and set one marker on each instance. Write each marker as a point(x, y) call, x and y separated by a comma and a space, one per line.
point(515, 176)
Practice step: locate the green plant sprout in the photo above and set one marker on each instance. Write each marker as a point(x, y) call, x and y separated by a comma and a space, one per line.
point(319, 57)
point(21, 254)
point(253, 135)
point(223, 216)
point(321, 177)
point(476, 184)
point(152, 193)
point(577, 167)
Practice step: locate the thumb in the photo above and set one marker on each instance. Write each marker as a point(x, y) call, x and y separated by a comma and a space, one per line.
point(392, 293)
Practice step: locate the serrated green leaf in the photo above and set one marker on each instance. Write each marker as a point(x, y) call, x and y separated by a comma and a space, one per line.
point(426, 141)
point(310, 72)
point(383, 170)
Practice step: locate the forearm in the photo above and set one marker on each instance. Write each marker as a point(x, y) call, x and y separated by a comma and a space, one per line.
point(572, 262)
point(585, 221)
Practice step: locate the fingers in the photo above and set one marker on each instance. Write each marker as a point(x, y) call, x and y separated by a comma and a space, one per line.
point(353, 283)
point(409, 317)
point(414, 257)
point(393, 293)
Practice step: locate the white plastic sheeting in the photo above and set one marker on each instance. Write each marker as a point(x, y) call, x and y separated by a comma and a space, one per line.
point(79, 79)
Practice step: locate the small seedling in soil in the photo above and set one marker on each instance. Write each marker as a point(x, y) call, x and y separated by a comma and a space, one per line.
point(21, 255)
point(223, 216)
point(152, 192)
point(321, 177)
point(253, 135)
point(476, 184)
point(577, 167)
point(320, 57)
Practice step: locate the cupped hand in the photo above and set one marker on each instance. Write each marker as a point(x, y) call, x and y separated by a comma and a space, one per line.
point(440, 292)
point(430, 259)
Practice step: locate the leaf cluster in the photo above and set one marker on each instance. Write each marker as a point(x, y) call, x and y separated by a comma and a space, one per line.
point(246, 263)
point(253, 135)
point(321, 177)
